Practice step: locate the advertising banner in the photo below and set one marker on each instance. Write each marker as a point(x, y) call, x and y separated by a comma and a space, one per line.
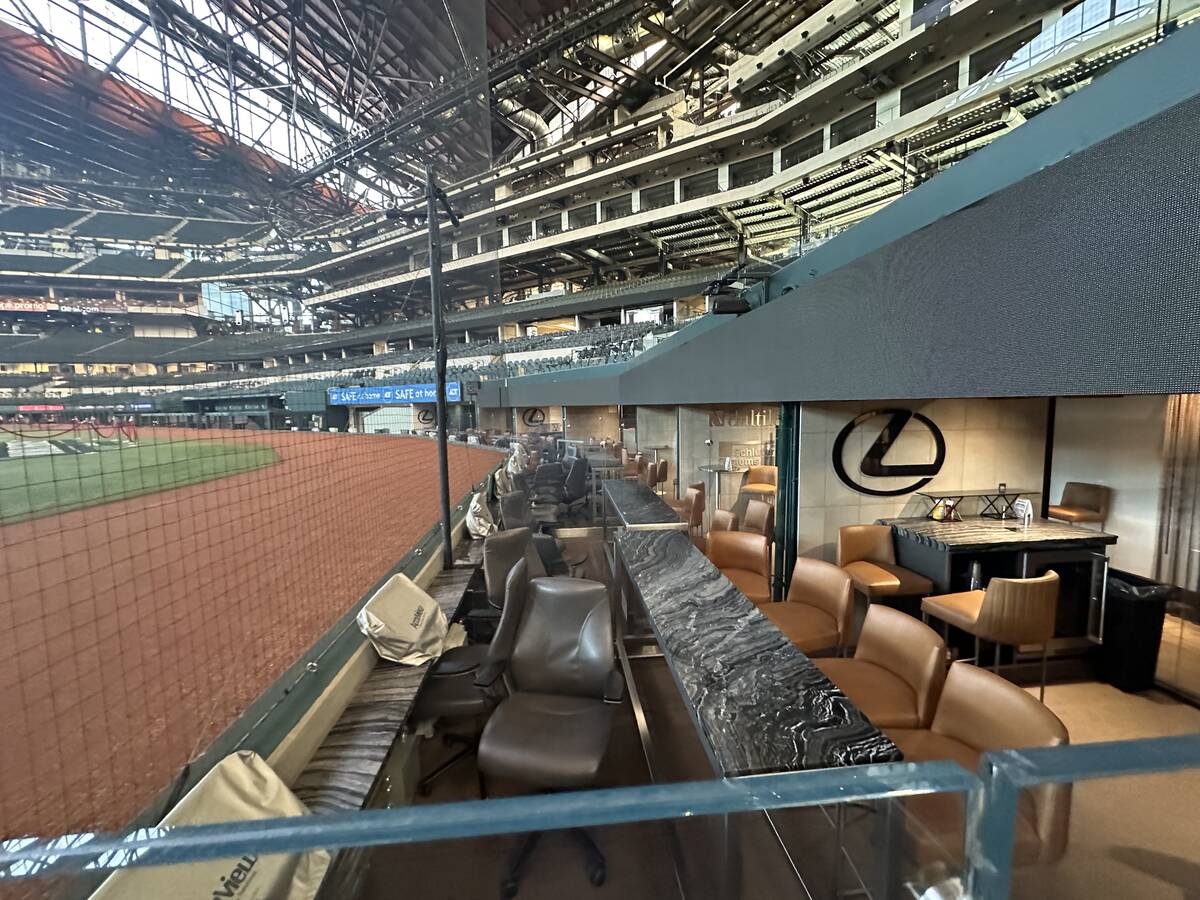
point(392, 394)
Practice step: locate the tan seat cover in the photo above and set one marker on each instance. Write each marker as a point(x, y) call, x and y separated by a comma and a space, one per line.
point(756, 588)
point(883, 579)
point(1073, 514)
point(960, 610)
point(807, 627)
point(885, 698)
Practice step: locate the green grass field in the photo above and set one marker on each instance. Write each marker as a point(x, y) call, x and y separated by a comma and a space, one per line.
point(44, 485)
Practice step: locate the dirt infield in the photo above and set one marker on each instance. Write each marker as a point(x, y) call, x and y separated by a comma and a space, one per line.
point(135, 631)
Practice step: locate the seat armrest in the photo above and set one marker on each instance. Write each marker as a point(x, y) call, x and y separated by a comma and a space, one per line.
point(487, 614)
point(614, 687)
point(488, 674)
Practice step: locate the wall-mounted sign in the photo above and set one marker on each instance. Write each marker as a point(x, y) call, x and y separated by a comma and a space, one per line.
point(392, 394)
point(85, 305)
point(743, 454)
point(743, 417)
point(533, 416)
point(426, 416)
point(39, 407)
point(21, 304)
point(873, 464)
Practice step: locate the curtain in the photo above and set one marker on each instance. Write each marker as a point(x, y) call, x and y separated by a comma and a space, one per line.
point(1178, 558)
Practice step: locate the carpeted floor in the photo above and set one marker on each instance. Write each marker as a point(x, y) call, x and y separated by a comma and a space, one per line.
point(1135, 837)
point(1130, 837)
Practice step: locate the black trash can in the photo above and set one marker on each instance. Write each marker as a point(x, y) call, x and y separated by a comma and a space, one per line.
point(1133, 623)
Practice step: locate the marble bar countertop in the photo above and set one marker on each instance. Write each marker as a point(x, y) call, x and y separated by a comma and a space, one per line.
point(638, 507)
point(996, 534)
point(759, 704)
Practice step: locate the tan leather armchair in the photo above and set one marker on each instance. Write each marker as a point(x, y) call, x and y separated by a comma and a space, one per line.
point(896, 674)
point(684, 505)
point(661, 474)
point(1011, 611)
point(761, 482)
point(1082, 502)
point(980, 711)
point(745, 559)
point(868, 555)
point(819, 611)
point(691, 510)
point(723, 520)
point(759, 519)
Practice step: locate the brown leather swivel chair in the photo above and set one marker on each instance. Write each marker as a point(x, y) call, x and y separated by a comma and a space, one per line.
point(759, 519)
point(1011, 611)
point(980, 711)
point(819, 611)
point(1082, 502)
point(553, 729)
point(660, 476)
point(897, 670)
point(867, 554)
point(745, 559)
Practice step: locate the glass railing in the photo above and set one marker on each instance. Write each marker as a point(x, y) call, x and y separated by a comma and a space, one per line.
point(1105, 819)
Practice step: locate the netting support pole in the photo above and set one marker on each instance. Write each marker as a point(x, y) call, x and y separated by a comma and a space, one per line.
point(433, 227)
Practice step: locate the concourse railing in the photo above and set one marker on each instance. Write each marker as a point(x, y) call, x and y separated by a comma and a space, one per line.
point(990, 798)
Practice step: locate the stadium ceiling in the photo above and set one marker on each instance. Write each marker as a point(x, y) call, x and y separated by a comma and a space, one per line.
point(341, 100)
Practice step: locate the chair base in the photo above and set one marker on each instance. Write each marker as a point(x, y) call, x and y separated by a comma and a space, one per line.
point(593, 860)
point(470, 748)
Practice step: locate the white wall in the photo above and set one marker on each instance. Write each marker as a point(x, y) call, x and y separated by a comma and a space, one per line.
point(1115, 441)
point(988, 441)
point(393, 419)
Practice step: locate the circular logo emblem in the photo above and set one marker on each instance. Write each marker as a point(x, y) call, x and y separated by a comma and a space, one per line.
point(533, 416)
point(873, 460)
point(425, 416)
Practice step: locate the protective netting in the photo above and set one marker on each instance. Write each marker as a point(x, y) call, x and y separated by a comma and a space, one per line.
point(154, 581)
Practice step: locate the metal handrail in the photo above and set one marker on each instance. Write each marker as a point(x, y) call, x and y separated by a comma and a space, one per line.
point(25, 857)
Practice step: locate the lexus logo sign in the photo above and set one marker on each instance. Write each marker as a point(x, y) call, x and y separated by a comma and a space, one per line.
point(533, 416)
point(873, 463)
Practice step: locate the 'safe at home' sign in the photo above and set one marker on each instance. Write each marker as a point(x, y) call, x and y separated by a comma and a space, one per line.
point(383, 395)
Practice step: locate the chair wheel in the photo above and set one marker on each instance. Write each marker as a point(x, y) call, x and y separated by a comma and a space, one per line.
point(597, 875)
point(508, 889)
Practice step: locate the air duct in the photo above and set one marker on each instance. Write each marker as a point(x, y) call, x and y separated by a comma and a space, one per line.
point(525, 119)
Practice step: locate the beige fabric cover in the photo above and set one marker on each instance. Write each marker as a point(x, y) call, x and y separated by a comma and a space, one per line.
point(240, 788)
point(479, 518)
point(406, 625)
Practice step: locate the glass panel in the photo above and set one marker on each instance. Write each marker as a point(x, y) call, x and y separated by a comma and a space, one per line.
point(852, 126)
point(749, 171)
point(805, 148)
point(619, 206)
point(709, 839)
point(656, 197)
point(700, 185)
point(718, 445)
